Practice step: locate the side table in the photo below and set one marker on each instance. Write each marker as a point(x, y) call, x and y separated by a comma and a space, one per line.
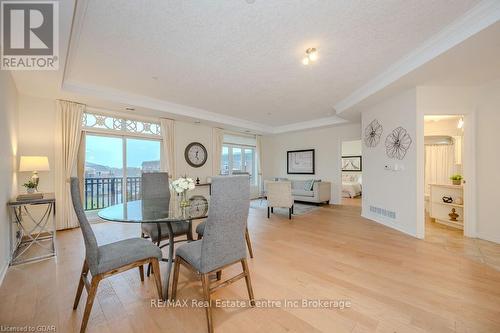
point(32, 233)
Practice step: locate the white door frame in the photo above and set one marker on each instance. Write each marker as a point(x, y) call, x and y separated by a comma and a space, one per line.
point(339, 161)
point(469, 171)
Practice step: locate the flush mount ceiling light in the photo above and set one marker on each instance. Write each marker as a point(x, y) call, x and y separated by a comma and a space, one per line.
point(311, 56)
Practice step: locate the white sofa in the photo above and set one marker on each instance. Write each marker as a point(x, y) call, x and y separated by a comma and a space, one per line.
point(321, 192)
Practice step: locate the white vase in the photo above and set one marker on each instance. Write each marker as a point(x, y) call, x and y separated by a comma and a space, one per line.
point(30, 190)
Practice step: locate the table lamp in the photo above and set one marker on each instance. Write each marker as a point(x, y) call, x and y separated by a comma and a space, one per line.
point(34, 164)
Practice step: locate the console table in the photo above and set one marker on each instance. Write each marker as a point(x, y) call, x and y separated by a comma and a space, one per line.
point(33, 237)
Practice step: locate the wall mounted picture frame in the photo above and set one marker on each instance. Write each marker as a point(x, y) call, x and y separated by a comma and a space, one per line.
point(300, 162)
point(352, 163)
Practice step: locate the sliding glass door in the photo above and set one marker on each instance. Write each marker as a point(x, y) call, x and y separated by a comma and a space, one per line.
point(113, 168)
point(237, 159)
point(141, 156)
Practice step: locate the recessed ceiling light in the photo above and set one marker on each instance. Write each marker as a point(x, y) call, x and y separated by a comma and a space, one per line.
point(311, 56)
point(129, 108)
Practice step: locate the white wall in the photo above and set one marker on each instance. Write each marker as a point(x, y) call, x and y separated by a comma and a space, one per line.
point(37, 120)
point(488, 161)
point(327, 143)
point(442, 127)
point(351, 148)
point(392, 190)
point(8, 153)
point(185, 133)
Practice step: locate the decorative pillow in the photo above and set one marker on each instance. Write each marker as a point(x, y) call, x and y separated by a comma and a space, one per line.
point(308, 185)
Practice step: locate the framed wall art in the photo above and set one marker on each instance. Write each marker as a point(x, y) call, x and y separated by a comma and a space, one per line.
point(300, 162)
point(352, 163)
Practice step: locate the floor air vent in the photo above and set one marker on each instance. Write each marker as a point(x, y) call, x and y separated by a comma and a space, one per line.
point(383, 212)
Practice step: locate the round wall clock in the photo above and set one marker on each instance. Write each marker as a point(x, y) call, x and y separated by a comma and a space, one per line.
point(199, 206)
point(195, 154)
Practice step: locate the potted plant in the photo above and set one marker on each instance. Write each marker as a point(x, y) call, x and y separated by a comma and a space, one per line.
point(456, 179)
point(30, 186)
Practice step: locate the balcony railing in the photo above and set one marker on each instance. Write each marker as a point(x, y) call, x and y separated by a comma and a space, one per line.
point(103, 192)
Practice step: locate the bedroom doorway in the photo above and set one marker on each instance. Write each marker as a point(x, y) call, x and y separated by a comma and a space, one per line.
point(352, 171)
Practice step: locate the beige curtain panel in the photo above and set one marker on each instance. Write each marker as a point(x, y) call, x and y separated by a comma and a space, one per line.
point(68, 137)
point(168, 135)
point(217, 140)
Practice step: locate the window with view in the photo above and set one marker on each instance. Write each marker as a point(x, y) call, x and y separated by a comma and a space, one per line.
point(238, 159)
point(117, 152)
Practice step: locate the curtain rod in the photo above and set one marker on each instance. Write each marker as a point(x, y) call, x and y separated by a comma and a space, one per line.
point(65, 100)
point(240, 134)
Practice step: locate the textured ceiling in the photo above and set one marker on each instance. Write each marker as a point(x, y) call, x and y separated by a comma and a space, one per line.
point(244, 60)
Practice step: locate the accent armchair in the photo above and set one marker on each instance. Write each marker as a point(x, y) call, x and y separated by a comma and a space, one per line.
point(279, 194)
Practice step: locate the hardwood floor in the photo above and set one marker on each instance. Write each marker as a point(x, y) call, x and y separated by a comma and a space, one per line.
point(351, 201)
point(453, 240)
point(395, 283)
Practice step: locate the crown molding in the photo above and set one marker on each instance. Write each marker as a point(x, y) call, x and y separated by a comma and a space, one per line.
point(484, 14)
point(118, 96)
point(309, 124)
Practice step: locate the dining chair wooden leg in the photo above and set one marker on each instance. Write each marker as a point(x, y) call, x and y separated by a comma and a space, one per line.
point(205, 281)
point(177, 267)
point(83, 275)
point(141, 272)
point(244, 265)
point(290, 213)
point(90, 301)
point(249, 244)
point(218, 274)
point(272, 210)
point(268, 212)
point(292, 210)
point(157, 276)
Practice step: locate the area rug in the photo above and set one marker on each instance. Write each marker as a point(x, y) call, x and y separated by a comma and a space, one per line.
point(298, 208)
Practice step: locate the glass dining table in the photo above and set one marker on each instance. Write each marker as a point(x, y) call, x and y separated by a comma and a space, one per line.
point(159, 211)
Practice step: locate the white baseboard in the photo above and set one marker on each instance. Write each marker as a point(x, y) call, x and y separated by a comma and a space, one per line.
point(387, 224)
point(488, 237)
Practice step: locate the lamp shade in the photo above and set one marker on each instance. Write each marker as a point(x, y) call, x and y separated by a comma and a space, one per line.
point(34, 163)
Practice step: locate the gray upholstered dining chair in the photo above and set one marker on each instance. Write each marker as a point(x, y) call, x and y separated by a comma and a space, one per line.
point(200, 228)
point(223, 242)
point(106, 260)
point(155, 193)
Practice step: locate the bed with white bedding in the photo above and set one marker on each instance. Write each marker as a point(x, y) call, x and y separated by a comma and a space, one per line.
point(351, 185)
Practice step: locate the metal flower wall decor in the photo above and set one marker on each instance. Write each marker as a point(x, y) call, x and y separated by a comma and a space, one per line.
point(373, 132)
point(397, 143)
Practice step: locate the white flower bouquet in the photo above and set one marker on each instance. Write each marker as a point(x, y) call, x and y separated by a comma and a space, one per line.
point(182, 186)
